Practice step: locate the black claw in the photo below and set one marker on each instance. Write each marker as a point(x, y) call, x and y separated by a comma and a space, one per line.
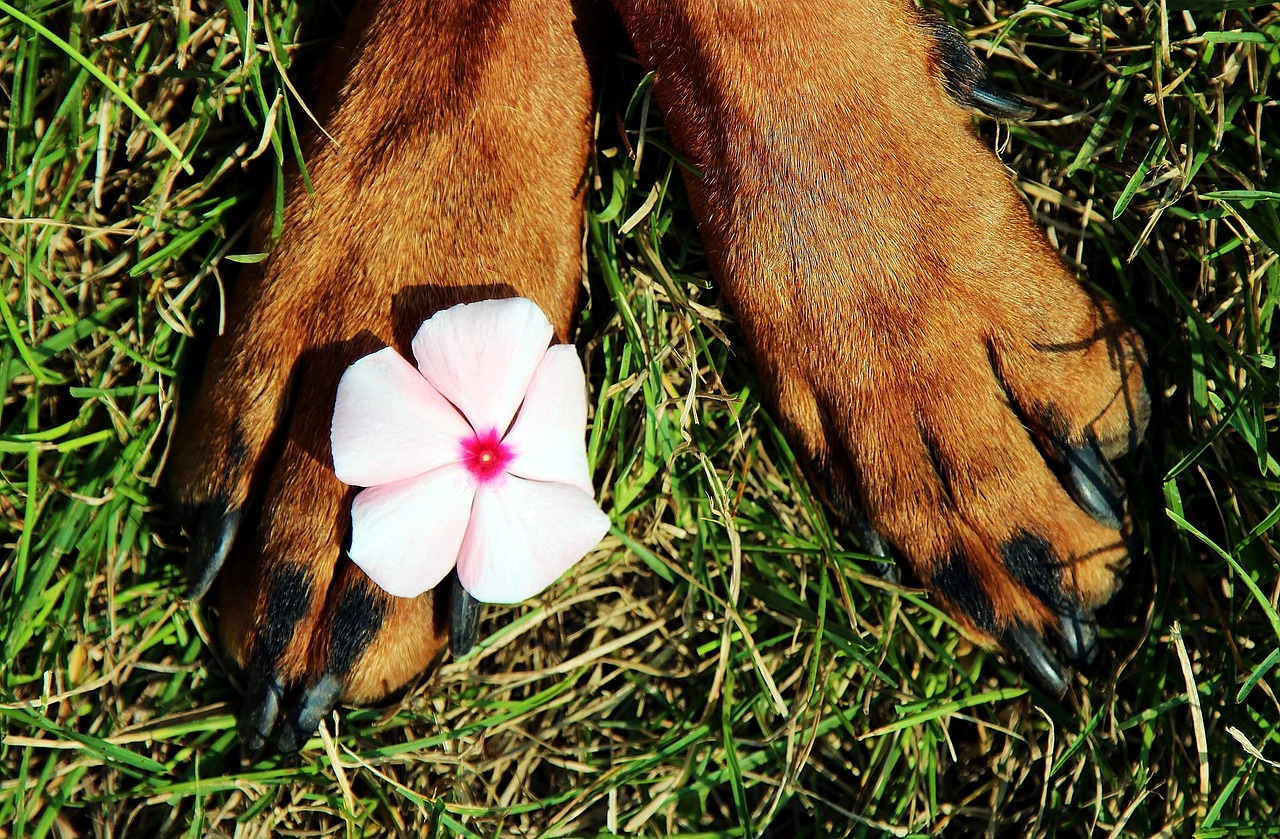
point(304, 717)
point(289, 595)
point(1080, 638)
point(215, 533)
point(965, 76)
point(1039, 664)
point(261, 708)
point(1094, 486)
point(876, 545)
point(464, 620)
point(994, 102)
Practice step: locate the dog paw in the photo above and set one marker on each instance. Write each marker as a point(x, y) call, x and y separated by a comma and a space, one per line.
point(308, 628)
point(957, 392)
point(390, 235)
point(970, 430)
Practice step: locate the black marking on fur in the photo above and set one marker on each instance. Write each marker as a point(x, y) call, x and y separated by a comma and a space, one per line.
point(288, 598)
point(1030, 561)
point(237, 450)
point(1083, 469)
point(939, 463)
point(965, 76)
point(1053, 422)
point(217, 523)
point(1046, 429)
point(356, 622)
point(954, 580)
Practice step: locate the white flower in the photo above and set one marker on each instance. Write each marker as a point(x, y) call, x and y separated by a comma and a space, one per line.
point(474, 459)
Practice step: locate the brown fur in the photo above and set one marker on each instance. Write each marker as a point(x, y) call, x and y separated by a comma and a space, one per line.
point(922, 343)
point(418, 205)
point(879, 260)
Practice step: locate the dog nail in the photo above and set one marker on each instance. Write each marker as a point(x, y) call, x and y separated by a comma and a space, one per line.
point(258, 717)
point(965, 76)
point(994, 102)
point(464, 620)
point(215, 533)
point(890, 572)
point(1080, 637)
point(1035, 658)
point(1094, 486)
point(876, 545)
point(304, 718)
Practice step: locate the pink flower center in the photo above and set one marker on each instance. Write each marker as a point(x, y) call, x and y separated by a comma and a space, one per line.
point(485, 455)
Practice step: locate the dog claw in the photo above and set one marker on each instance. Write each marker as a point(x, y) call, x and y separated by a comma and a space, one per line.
point(965, 76)
point(876, 545)
point(261, 708)
point(312, 706)
point(1040, 665)
point(994, 102)
point(1094, 486)
point(464, 620)
point(215, 533)
point(1080, 636)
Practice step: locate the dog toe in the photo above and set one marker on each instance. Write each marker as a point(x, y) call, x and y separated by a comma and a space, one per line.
point(221, 447)
point(265, 624)
point(365, 645)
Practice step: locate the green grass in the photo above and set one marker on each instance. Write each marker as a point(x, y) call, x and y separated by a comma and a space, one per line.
point(725, 665)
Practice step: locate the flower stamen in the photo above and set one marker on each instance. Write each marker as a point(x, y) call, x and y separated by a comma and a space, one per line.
point(485, 455)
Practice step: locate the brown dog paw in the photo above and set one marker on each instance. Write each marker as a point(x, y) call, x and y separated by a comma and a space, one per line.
point(922, 343)
point(390, 235)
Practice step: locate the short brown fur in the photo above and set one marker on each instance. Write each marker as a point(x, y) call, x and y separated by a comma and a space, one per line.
point(921, 341)
point(418, 205)
point(877, 257)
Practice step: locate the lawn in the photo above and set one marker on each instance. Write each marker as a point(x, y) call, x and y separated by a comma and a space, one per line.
point(727, 663)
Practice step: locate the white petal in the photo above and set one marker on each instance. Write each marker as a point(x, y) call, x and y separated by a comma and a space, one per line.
point(547, 441)
point(523, 536)
point(389, 423)
point(406, 536)
point(481, 356)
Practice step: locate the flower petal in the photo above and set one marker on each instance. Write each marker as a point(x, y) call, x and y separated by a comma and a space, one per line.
point(546, 442)
point(389, 423)
point(482, 355)
point(523, 535)
point(406, 536)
